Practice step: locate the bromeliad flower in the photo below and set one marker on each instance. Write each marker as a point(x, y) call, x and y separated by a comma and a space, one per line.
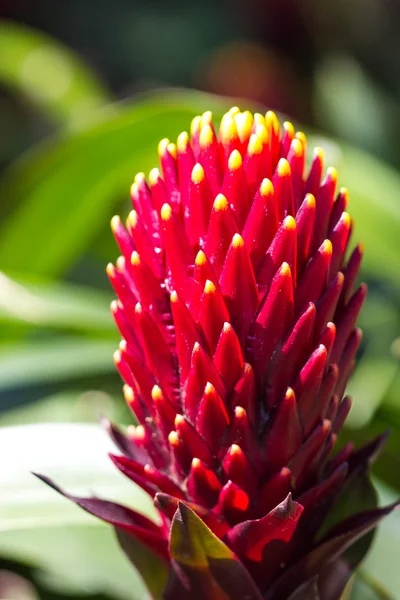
point(237, 310)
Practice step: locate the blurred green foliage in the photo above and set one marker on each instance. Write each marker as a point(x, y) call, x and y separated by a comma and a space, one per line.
point(56, 203)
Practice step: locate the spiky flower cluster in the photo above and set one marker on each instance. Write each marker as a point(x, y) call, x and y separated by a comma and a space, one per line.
point(237, 311)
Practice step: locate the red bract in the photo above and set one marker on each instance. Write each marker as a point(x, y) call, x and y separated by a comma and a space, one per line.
point(237, 310)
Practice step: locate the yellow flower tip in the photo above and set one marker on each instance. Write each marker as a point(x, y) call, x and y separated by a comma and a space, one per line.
point(162, 146)
point(331, 326)
point(344, 192)
point(326, 425)
point(289, 223)
point(244, 123)
point(182, 141)
point(262, 133)
point(271, 121)
point(179, 420)
point(206, 118)
point(209, 287)
point(154, 176)
point(310, 199)
point(173, 438)
point(115, 223)
point(123, 345)
point(135, 259)
point(173, 297)
point(288, 127)
point(319, 153)
point(255, 145)
point(259, 119)
point(129, 394)
point(228, 130)
point(166, 212)
point(172, 150)
point(235, 110)
point(156, 394)
point(326, 247)
point(235, 161)
point(198, 173)
point(289, 394)
point(206, 136)
point(117, 357)
point(227, 327)
point(121, 263)
point(235, 449)
point(340, 277)
point(247, 368)
point(209, 389)
point(346, 220)
point(138, 308)
point(300, 135)
point(133, 219)
point(200, 259)
point(240, 412)
point(283, 168)
point(114, 306)
point(138, 433)
point(266, 187)
point(195, 125)
point(285, 270)
point(361, 248)
point(110, 270)
point(220, 203)
point(139, 178)
point(237, 241)
point(297, 147)
point(332, 174)
point(196, 463)
point(134, 189)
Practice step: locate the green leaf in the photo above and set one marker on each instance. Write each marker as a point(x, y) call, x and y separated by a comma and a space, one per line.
point(203, 566)
point(75, 550)
point(46, 361)
point(51, 75)
point(65, 191)
point(55, 305)
point(152, 569)
point(366, 588)
point(381, 563)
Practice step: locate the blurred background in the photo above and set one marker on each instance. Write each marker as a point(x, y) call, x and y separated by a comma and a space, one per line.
point(87, 89)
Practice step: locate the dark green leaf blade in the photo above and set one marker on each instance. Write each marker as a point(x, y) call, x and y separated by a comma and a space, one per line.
point(152, 568)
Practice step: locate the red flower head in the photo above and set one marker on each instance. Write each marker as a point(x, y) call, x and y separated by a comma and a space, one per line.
point(237, 310)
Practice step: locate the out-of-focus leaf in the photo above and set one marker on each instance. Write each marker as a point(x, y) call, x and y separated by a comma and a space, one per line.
point(44, 361)
point(75, 454)
point(78, 406)
point(64, 192)
point(203, 566)
point(55, 305)
point(51, 75)
point(74, 549)
point(381, 564)
point(368, 386)
point(151, 568)
point(366, 588)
